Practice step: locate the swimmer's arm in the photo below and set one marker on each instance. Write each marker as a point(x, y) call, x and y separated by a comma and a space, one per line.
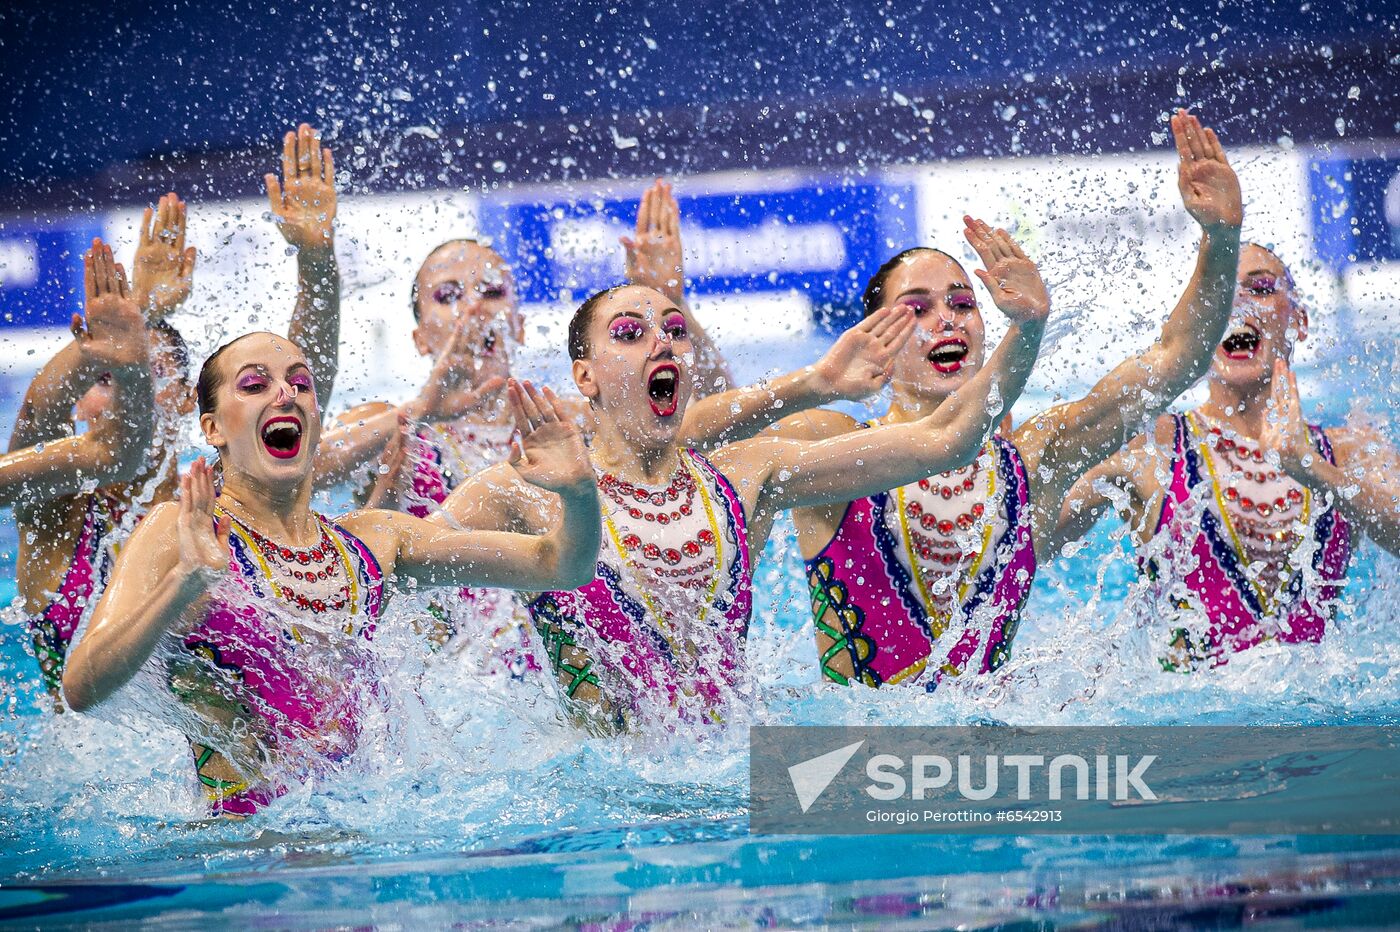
point(303, 205)
point(865, 462)
point(162, 579)
point(562, 558)
point(856, 366)
point(550, 457)
point(1088, 500)
point(1365, 482)
point(355, 438)
point(114, 339)
point(1364, 485)
point(47, 410)
point(1142, 387)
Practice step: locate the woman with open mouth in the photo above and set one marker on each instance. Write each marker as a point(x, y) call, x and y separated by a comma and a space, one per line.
point(68, 542)
point(467, 316)
point(253, 610)
point(919, 581)
point(1244, 516)
point(658, 635)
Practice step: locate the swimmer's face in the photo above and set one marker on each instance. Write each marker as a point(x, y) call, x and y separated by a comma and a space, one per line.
point(471, 281)
point(949, 339)
point(265, 423)
point(1266, 323)
point(638, 371)
point(174, 395)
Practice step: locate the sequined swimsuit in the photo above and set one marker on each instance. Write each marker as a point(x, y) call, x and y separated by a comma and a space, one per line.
point(82, 585)
point(1201, 570)
point(647, 660)
point(867, 598)
point(256, 662)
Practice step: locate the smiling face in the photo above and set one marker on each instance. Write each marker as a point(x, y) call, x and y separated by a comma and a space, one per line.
point(1266, 323)
point(465, 278)
point(636, 371)
point(264, 421)
point(949, 340)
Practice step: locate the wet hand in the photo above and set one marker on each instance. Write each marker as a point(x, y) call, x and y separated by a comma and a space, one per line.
point(654, 257)
point(164, 267)
point(549, 452)
point(303, 202)
point(861, 360)
point(1209, 187)
point(1285, 433)
point(450, 391)
point(203, 543)
point(1012, 278)
point(113, 334)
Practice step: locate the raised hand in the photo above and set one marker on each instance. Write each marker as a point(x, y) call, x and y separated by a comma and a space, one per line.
point(1285, 432)
point(113, 335)
point(549, 452)
point(303, 202)
point(384, 492)
point(654, 257)
point(1209, 187)
point(203, 539)
point(1010, 275)
point(164, 267)
point(861, 360)
point(449, 392)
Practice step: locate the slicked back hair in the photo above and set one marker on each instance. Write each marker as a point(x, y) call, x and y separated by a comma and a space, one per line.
point(874, 296)
point(579, 345)
point(463, 241)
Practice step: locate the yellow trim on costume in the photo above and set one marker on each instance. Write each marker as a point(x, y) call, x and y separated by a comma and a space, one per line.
point(1269, 605)
point(939, 621)
point(662, 624)
point(252, 547)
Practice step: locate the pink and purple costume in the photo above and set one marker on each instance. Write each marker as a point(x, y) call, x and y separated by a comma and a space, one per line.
point(1201, 569)
point(866, 598)
point(258, 664)
point(664, 623)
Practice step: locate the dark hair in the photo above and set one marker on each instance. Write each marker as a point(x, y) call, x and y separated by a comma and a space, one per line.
point(874, 294)
point(1287, 275)
point(583, 319)
point(209, 378)
point(413, 294)
point(179, 349)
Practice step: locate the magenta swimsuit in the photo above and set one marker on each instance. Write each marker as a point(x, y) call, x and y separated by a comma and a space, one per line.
point(82, 585)
point(1214, 579)
point(632, 660)
point(256, 664)
point(864, 597)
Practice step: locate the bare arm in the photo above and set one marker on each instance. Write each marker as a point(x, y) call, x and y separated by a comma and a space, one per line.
point(1143, 386)
point(655, 259)
point(47, 411)
point(162, 580)
point(114, 340)
point(550, 456)
point(1364, 485)
point(303, 205)
point(857, 365)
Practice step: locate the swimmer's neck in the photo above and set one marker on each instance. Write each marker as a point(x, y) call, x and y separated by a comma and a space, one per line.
point(280, 513)
point(905, 406)
point(1242, 409)
point(649, 464)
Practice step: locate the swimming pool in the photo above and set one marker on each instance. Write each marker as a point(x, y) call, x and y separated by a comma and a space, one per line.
point(476, 804)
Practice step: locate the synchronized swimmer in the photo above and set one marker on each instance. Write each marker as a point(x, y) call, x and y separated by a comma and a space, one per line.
point(628, 516)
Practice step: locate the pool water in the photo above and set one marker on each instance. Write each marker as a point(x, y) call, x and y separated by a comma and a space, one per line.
point(475, 803)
